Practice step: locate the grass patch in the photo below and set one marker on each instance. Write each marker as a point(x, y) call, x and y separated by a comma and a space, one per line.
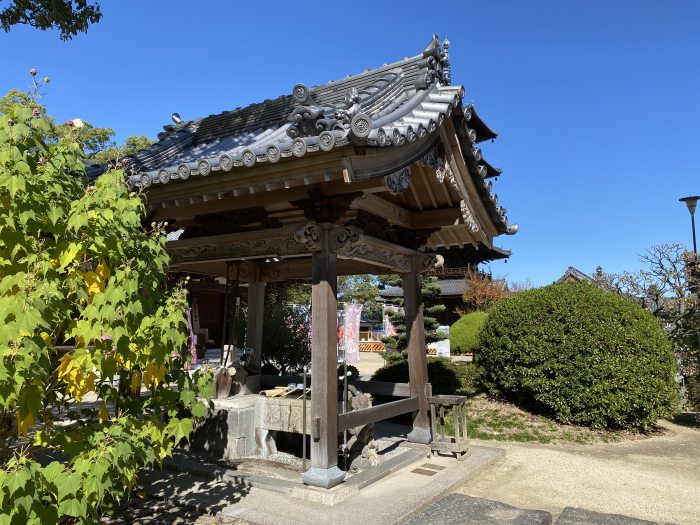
point(489, 419)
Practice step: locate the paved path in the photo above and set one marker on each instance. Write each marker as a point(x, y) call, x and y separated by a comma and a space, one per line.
point(369, 363)
point(655, 479)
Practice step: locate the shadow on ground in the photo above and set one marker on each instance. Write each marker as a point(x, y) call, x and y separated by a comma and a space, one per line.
point(688, 419)
point(179, 498)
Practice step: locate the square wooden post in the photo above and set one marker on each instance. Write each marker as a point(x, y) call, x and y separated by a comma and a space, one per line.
point(324, 471)
point(417, 361)
point(254, 331)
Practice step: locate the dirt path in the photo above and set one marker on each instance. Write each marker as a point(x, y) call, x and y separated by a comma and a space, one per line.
point(655, 479)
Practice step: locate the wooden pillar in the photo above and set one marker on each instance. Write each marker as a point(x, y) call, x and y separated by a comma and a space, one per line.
point(324, 471)
point(417, 361)
point(254, 331)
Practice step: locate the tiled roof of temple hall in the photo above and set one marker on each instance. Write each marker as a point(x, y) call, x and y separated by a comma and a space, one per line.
point(388, 106)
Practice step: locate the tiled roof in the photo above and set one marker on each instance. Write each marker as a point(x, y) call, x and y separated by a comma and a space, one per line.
point(448, 288)
point(573, 274)
point(388, 106)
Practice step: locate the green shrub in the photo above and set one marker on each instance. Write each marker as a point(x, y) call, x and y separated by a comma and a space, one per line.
point(444, 376)
point(464, 333)
point(581, 354)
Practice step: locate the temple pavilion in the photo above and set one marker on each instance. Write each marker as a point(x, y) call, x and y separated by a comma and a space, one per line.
point(372, 174)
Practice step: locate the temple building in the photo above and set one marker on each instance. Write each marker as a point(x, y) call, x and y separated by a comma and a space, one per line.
point(451, 278)
point(377, 173)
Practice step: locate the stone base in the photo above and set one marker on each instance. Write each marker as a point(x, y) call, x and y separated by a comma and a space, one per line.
point(228, 431)
point(323, 477)
point(419, 435)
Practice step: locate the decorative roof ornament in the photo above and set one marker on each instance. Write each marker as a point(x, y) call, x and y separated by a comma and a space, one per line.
point(435, 65)
point(468, 215)
point(309, 119)
point(447, 76)
point(306, 115)
point(398, 181)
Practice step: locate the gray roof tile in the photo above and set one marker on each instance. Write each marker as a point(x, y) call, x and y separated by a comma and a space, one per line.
point(387, 106)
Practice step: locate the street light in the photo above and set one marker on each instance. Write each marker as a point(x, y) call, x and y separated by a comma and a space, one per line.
point(692, 203)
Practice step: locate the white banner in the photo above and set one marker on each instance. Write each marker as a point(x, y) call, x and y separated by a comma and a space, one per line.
point(351, 332)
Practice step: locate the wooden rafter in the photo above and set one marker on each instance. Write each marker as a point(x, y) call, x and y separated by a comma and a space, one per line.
point(412, 187)
point(428, 190)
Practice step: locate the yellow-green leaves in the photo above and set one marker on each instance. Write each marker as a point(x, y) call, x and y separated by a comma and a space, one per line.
point(69, 255)
point(86, 313)
point(75, 374)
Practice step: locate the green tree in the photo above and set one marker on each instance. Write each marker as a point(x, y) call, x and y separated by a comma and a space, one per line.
point(298, 293)
point(667, 286)
point(97, 143)
point(111, 153)
point(70, 17)
point(77, 267)
point(430, 293)
point(581, 354)
point(286, 343)
point(362, 289)
point(91, 139)
point(464, 333)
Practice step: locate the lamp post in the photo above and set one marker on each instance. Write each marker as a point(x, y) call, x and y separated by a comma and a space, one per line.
point(692, 203)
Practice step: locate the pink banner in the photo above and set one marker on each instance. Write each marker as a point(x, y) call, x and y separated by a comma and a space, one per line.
point(351, 332)
point(389, 329)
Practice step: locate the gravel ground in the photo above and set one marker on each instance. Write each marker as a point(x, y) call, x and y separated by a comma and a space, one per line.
point(654, 479)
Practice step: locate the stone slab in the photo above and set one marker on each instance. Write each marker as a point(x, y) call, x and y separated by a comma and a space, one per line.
point(574, 516)
point(458, 509)
point(390, 501)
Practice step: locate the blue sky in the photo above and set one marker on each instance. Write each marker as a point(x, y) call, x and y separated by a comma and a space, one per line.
point(597, 102)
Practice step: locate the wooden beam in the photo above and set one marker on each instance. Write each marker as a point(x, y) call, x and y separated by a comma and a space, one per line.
point(417, 361)
point(254, 331)
point(440, 238)
point(358, 418)
point(454, 156)
point(400, 216)
point(383, 388)
point(378, 162)
point(375, 205)
point(436, 218)
point(240, 176)
point(240, 198)
point(324, 366)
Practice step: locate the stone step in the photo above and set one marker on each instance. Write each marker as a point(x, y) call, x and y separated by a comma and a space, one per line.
point(574, 516)
point(458, 509)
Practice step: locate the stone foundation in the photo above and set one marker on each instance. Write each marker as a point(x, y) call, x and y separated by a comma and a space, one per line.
point(228, 431)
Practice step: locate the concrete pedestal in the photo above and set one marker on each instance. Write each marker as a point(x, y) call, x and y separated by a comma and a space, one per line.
point(419, 435)
point(325, 478)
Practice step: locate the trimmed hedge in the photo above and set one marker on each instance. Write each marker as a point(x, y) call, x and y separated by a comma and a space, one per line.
point(464, 333)
point(581, 354)
point(444, 376)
